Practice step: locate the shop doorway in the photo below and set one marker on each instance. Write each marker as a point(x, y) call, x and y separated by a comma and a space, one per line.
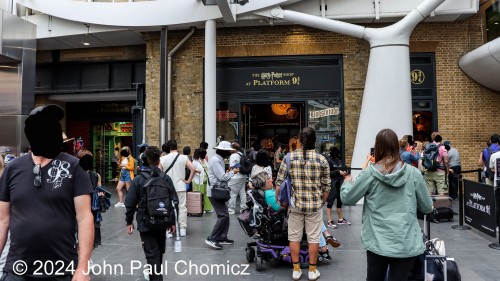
point(267, 125)
point(106, 137)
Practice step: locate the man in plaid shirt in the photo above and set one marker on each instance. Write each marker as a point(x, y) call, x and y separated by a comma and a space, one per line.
point(310, 177)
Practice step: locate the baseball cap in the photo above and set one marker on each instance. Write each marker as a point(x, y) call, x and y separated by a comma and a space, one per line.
point(447, 143)
point(143, 145)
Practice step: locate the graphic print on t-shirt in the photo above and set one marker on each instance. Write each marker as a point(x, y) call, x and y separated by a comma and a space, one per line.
point(58, 172)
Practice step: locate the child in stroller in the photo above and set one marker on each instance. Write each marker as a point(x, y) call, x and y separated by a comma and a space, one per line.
point(268, 220)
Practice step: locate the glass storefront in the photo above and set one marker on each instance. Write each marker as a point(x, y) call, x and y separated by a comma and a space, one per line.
point(107, 136)
point(265, 102)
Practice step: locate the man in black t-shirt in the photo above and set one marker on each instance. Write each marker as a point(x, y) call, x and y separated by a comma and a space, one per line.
point(44, 195)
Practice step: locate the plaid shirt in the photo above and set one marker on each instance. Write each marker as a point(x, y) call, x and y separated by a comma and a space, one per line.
point(309, 179)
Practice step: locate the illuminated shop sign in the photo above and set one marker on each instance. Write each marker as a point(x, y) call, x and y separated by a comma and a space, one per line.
point(273, 79)
point(324, 112)
point(274, 74)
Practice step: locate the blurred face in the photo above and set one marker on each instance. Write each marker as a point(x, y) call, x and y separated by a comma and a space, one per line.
point(269, 184)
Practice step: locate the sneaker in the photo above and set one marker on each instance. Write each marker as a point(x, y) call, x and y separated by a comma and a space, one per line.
point(169, 235)
point(214, 244)
point(119, 204)
point(146, 274)
point(231, 211)
point(314, 275)
point(296, 275)
point(332, 241)
point(183, 232)
point(209, 211)
point(331, 224)
point(326, 256)
point(343, 221)
point(227, 242)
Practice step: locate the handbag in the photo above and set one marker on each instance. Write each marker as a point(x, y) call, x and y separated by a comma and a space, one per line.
point(220, 191)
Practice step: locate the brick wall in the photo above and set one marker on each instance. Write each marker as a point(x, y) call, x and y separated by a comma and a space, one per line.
point(464, 107)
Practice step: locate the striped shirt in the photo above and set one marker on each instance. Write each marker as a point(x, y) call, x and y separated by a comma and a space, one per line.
point(310, 178)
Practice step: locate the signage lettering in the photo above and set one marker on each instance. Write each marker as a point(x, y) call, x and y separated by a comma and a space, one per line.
point(479, 207)
point(324, 112)
point(273, 79)
point(417, 76)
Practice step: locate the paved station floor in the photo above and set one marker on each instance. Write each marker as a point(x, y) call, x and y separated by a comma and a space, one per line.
point(120, 257)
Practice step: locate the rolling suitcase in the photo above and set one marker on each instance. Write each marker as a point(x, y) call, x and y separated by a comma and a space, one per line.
point(194, 202)
point(442, 209)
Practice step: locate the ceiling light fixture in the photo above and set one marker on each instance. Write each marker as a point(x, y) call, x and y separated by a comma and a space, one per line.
point(85, 41)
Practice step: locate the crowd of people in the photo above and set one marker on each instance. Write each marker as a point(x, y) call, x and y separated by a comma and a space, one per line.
point(395, 182)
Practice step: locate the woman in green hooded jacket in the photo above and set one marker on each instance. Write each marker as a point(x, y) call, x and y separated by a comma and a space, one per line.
point(392, 191)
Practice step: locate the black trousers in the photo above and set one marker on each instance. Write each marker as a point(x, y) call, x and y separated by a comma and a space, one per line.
point(153, 244)
point(13, 277)
point(453, 180)
point(377, 267)
point(221, 227)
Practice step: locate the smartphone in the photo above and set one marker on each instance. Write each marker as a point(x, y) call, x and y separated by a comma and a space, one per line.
point(372, 151)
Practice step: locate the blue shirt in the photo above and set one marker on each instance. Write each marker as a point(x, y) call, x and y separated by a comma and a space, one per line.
point(486, 154)
point(271, 199)
point(408, 157)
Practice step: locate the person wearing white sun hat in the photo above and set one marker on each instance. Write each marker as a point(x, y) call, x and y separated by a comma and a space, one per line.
point(216, 175)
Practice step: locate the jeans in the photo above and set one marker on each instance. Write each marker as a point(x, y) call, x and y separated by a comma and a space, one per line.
point(153, 244)
point(322, 240)
point(237, 187)
point(377, 267)
point(221, 227)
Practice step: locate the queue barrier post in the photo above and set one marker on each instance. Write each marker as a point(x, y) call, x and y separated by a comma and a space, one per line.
point(460, 225)
point(496, 246)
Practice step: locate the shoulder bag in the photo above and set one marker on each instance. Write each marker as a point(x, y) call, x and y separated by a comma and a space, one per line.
point(220, 191)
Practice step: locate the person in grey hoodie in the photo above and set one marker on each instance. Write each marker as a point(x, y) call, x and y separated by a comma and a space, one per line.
point(393, 191)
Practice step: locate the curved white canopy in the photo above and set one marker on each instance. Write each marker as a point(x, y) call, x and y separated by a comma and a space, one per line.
point(145, 13)
point(483, 64)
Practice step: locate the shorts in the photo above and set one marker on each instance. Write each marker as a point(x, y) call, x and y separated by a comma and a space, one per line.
point(312, 220)
point(125, 176)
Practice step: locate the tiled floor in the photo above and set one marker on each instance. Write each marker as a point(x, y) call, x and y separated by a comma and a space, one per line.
point(121, 252)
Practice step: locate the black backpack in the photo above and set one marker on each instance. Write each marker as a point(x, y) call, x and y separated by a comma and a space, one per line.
point(157, 201)
point(246, 164)
point(431, 154)
point(490, 174)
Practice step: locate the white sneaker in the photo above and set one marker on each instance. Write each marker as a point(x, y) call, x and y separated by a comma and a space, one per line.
point(314, 275)
point(119, 204)
point(231, 211)
point(146, 274)
point(183, 232)
point(169, 235)
point(296, 275)
point(122, 205)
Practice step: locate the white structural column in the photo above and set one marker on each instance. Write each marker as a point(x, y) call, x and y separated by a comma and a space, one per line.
point(387, 99)
point(210, 85)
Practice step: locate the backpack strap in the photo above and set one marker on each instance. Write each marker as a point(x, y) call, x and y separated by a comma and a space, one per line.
point(171, 165)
